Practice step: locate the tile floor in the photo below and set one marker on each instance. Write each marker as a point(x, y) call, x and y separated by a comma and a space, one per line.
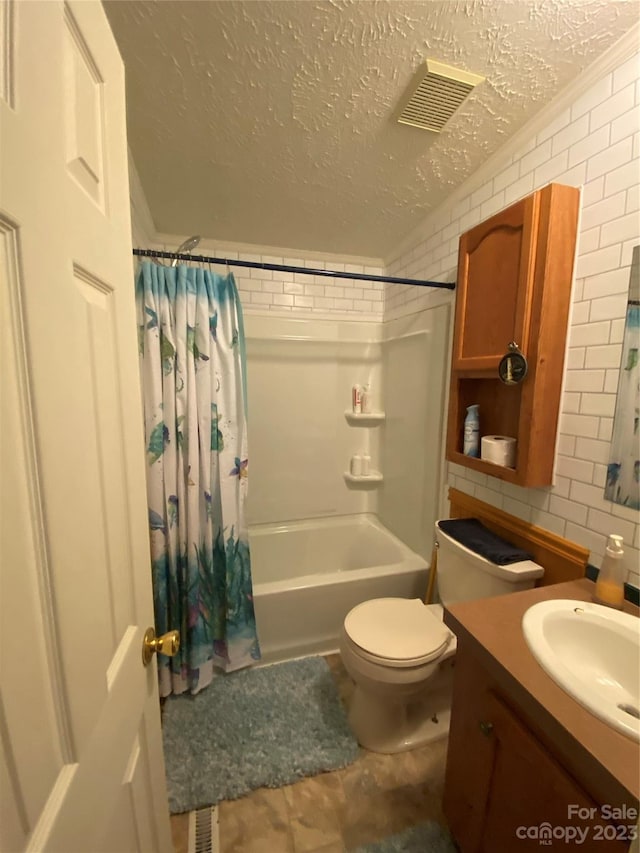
point(337, 811)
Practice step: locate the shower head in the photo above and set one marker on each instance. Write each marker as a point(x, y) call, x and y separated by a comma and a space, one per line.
point(189, 244)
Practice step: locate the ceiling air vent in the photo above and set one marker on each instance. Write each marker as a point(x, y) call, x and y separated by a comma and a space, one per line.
point(435, 94)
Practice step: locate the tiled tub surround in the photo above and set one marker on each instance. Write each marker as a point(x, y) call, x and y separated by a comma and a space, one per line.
point(593, 142)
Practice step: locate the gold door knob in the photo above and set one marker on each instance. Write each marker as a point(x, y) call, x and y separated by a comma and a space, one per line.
point(168, 644)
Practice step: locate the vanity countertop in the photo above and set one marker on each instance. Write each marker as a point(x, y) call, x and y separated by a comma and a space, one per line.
point(491, 628)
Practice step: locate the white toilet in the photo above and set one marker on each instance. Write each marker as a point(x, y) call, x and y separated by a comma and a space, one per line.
point(399, 652)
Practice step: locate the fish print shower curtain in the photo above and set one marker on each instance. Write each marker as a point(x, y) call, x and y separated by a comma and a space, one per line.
point(191, 343)
point(623, 470)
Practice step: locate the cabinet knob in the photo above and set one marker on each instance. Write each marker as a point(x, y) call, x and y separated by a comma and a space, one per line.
point(486, 728)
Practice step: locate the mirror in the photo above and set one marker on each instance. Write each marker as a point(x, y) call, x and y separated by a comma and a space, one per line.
point(623, 470)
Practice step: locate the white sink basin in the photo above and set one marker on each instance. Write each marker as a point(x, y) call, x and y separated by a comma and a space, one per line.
point(593, 653)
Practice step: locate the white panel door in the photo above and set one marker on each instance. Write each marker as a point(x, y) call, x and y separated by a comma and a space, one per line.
point(81, 765)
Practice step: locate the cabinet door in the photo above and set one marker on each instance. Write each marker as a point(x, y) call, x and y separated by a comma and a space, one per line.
point(470, 753)
point(530, 794)
point(494, 288)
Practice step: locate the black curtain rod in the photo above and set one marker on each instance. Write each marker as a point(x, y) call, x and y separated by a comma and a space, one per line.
point(203, 259)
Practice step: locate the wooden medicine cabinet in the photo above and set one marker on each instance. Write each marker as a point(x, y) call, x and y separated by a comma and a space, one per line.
point(515, 273)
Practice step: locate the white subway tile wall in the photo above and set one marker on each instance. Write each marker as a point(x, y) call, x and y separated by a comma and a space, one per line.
point(594, 144)
point(290, 294)
point(304, 293)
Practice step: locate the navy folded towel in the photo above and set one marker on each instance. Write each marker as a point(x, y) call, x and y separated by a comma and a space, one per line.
point(474, 535)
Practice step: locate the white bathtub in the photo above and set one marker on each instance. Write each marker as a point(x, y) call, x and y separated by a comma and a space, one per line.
point(307, 575)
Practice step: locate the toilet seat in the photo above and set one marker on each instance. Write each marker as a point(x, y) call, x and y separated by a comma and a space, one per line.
point(396, 632)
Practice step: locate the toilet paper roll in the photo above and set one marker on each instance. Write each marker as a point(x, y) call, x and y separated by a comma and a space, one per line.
point(499, 449)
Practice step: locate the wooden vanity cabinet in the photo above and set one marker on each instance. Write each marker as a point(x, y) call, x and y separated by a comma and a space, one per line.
point(514, 285)
point(501, 777)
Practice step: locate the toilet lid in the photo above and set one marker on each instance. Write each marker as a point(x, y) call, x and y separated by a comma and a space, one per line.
point(397, 629)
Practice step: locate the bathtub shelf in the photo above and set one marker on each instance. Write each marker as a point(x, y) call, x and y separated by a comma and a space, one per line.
point(364, 479)
point(364, 418)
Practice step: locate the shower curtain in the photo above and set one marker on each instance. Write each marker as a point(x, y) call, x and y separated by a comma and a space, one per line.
point(623, 470)
point(191, 343)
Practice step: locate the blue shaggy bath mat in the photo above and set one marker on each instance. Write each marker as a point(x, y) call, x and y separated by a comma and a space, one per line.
point(256, 727)
point(425, 838)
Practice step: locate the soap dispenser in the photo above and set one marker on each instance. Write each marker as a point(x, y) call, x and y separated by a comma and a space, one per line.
point(610, 582)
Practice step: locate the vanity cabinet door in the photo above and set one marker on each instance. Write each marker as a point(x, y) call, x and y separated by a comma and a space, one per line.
point(469, 755)
point(530, 792)
point(504, 790)
point(494, 287)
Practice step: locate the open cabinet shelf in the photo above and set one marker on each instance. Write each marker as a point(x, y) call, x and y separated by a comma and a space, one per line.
point(485, 467)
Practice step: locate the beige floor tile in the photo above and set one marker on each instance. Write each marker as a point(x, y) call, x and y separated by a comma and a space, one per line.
point(257, 823)
point(316, 808)
point(376, 771)
point(428, 764)
point(373, 815)
point(180, 832)
point(335, 847)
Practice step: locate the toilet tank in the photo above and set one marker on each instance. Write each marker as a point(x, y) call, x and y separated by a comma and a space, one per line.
point(464, 575)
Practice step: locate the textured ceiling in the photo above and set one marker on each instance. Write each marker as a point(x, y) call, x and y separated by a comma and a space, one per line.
point(273, 122)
